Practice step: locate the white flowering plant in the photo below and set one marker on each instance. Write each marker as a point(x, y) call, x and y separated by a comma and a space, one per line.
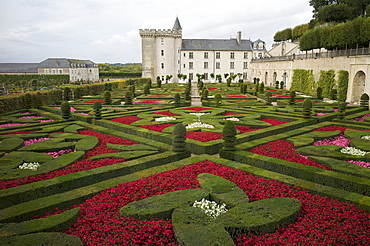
point(232, 119)
point(160, 119)
point(29, 165)
point(353, 151)
point(210, 208)
point(199, 124)
point(330, 101)
point(367, 137)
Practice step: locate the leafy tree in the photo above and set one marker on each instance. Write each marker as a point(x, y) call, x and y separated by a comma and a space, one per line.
point(335, 13)
point(299, 30)
point(342, 85)
point(283, 35)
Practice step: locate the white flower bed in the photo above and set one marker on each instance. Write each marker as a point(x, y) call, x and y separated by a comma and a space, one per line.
point(165, 118)
point(330, 101)
point(353, 151)
point(366, 137)
point(198, 114)
point(87, 96)
point(199, 124)
point(232, 119)
point(304, 96)
point(29, 165)
point(210, 208)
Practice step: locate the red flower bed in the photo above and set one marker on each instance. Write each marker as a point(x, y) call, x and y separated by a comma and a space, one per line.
point(78, 166)
point(277, 93)
point(284, 150)
point(274, 122)
point(195, 108)
point(244, 129)
point(239, 96)
point(157, 128)
point(284, 96)
point(270, 90)
point(167, 113)
point(321, 221)
point(95, 100)
point(231, 113)
point(127, 120)
point(204, 136)
point(149, 101)
point(211, 89)
point(17, 132)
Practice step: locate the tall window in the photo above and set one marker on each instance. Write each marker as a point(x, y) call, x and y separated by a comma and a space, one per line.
point(191, 55)
point(191, 76)
point(53, 71)
point(232, 55)
point(162, 65)
point(205, 65)
point(232, 65)
point(162, 52)
point(60, 71)
point(162, 41)
point(191, 65)
point(245, 65)
point(206, 76)
point(218, 65)
point(46, 71)
point(218, 55)
point(245, 76)
point(205, 55)
point(245, 55)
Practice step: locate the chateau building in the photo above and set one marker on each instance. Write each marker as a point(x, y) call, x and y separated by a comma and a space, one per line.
point(85, 70)
point(165, 52)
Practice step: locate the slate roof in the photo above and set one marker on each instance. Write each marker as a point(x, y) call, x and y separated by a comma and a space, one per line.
point(177, 24)
point(63, 63)
point(19, 67)
point(216, 44)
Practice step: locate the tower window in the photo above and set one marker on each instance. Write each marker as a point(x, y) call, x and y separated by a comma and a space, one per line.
point(218, 55)
point(162, 52)
point(162, 41)
point(162, 65)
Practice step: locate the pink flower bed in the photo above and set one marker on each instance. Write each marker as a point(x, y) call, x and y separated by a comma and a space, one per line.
point(13, 124)
point(167, 113)
point(77, 166)
point(361, 118)
point(274, 122)
point(149, 101)
point(361, 163)
point(195, 108)
point(127, 120)
point(30, 117)
point(239, 96)
point(203, 136)
point(284, 150)
point(335, 128)
point(321, 221)
point(17, 132)
point(212, 89)
point(157, 128)
point(71, 108)
point(340, 141)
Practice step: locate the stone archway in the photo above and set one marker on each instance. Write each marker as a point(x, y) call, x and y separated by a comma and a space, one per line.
point(358, 86)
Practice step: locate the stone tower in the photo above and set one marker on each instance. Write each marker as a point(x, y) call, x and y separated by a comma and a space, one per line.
point(161, 52)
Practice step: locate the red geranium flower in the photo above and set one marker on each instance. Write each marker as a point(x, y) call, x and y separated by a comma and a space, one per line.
point(127, 120)
point(274, 122)
point(203, 136)
point(157, 128)
point(195, 108)
point(231, 113)
point(244, 129)
point(167, 113)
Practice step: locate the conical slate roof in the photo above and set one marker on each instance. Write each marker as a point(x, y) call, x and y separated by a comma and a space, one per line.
point(177, 25)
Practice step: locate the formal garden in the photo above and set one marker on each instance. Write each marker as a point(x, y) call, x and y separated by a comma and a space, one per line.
point(133, 162)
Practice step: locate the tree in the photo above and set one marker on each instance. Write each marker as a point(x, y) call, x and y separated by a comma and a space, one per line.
point(318, 4)
point(283, 35)
point(299, 30)
point(335, 13)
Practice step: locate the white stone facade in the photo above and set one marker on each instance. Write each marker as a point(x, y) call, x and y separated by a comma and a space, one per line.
point(165, 52)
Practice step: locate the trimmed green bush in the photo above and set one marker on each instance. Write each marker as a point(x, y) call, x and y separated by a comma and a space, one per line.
point(66, 110)
point(218, 100)
point(307, 107)
point(67, 94)
point(319, 93)
point(229, 136)
point(44, 238)
point(97, 107)
point(178, 143)
point(333, 94)
point(28, 101)
point(342, 109)
point(292, 96)
point(261, 88)
point(128, 97)
point(107, 98)
point(177, 99)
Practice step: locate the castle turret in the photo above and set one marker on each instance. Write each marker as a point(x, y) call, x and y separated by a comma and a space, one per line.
point(161, 52)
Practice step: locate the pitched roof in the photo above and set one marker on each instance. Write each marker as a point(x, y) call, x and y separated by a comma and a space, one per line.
point(63, 62)
point(18, 67)
point(177, 24)
point(216, 44)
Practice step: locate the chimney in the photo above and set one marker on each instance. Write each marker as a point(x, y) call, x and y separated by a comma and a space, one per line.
point(239, 37)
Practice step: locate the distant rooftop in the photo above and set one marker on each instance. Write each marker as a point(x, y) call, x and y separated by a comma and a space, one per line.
point(19, 67)
point(216, 44)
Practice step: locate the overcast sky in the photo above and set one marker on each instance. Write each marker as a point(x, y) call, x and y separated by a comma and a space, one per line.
point(108, 30)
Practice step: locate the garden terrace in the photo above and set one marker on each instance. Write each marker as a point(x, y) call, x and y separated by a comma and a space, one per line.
point(69, 179)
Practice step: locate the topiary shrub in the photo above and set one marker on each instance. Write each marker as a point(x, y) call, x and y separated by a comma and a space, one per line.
point(97, 107)
point(147, 89)
point(292, 97)
point(66, 110)
point(229, 136)
point(218, 100)
point(261, 88)
point(228, 82)
point(187, 93)
point(268, 94)
point(364, 100)
point(319, 93)
point(67, 94)
point(159, 82)
point(204, 94)
point(28, 101)
point(277, 84)
point(307, 107)
point(178, 141)
point(177, 99)
point(38, 101)
point(77, 93)
point(128, 97)
point(107, 98)
point(243, 88)
point(333, 94)
point(281, 84)
point(342, 109)
point(200, 85)
point(256, 88)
